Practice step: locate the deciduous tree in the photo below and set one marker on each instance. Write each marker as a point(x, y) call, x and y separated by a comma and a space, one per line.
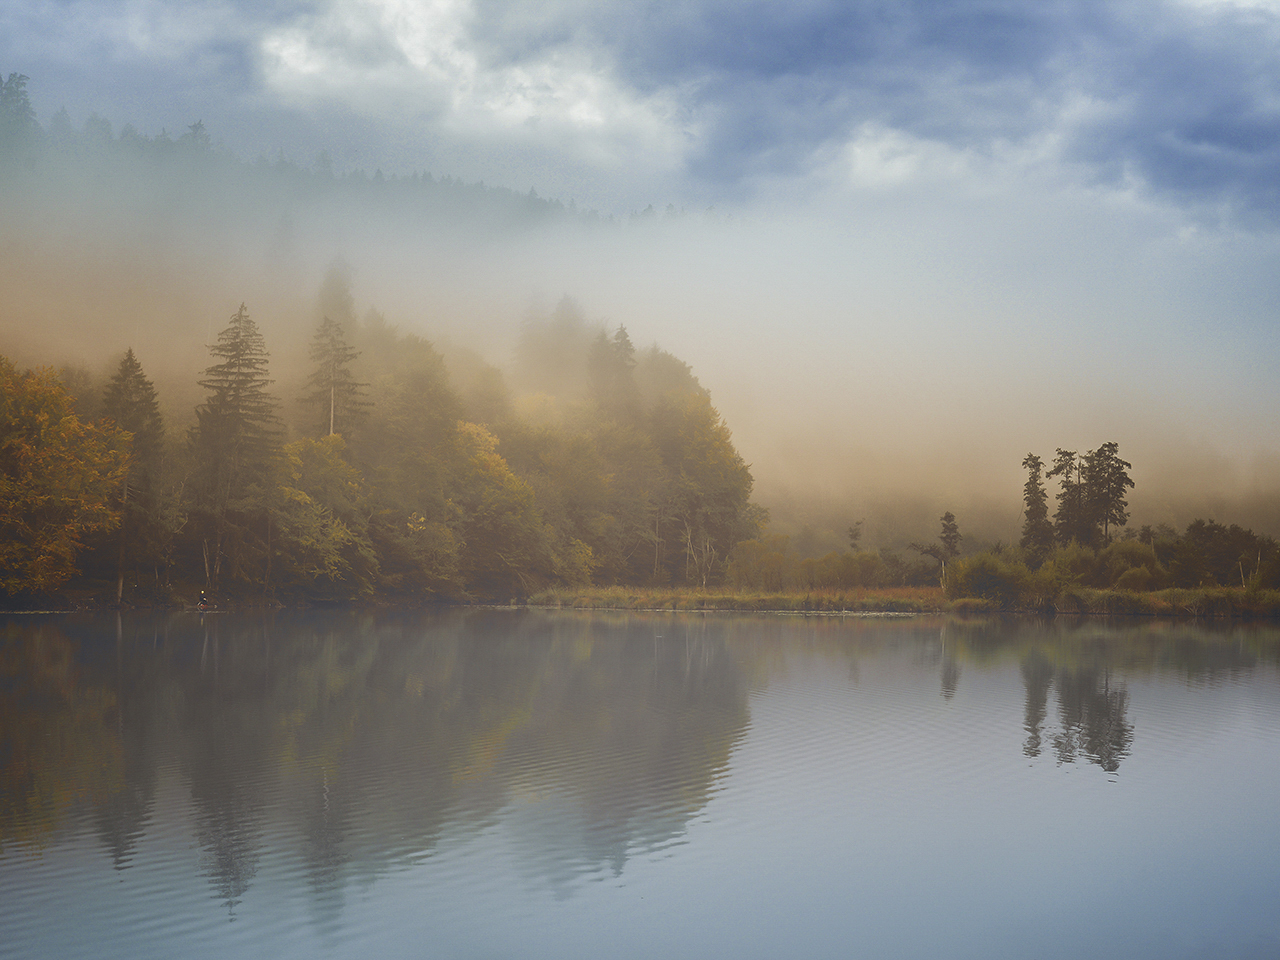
point(58, 480)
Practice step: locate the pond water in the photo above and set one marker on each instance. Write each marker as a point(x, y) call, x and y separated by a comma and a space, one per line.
point(494, 783)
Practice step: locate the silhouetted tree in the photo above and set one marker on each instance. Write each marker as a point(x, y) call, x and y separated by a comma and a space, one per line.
point(1071, 520)
point(130, 400)
point(947, 547)
point(1037, 531)
point(334, 389)
point(18, 127)
point(1106, 479)
point(234, 442)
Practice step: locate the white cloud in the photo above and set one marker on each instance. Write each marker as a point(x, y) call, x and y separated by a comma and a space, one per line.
point(878, 156)
point(396, 60)
point(1270, 6)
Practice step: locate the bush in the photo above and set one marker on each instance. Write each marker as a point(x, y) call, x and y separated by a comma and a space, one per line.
point(1120, 558)
point(1135, 580)
point(1003, 581)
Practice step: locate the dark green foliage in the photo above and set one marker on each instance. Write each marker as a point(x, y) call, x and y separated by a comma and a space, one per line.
point(1106, 482)
point(1092, 495)
point(1004, 581)
point(234, 445)
point(946, 549)
point(1212, 554)
point(1037, 531)
point(335, 396)
point(130, 400)
point(1071, 522)
point(18, 127)
point(611, 374)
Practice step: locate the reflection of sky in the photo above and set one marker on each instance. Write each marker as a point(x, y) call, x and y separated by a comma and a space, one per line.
point(863, 813)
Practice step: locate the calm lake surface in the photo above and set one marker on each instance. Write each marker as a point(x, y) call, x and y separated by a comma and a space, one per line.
point(533, 784)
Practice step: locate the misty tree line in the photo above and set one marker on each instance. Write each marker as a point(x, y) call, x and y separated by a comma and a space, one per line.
point(1079, 546)
point(192, 158)
point(383, 479)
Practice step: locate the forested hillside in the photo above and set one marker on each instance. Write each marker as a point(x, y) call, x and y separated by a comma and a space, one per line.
point(299, 449)
point(377, 476)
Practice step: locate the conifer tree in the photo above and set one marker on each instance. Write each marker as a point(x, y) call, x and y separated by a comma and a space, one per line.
point(18, 126)
point(130, 400)
point(234, 443)
point(334, 391)
point(611, 373)
point(1037, 531)
point(947, 547)
point(1107, 480)
point(1071, 521)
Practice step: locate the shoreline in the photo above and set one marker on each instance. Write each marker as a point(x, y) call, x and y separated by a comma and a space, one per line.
point(1215, 603)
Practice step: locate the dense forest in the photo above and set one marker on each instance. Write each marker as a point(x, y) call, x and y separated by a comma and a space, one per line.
point(359, 460)
point(379, 476)
point(376, 477)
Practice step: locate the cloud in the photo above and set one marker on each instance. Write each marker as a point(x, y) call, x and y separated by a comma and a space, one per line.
point(702, 101)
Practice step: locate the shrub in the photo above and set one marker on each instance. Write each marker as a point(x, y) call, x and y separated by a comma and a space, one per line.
point(1135, 580)
point(997, 578)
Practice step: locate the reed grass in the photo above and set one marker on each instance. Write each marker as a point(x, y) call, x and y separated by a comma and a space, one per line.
point(852, 600)
point(1204, 603)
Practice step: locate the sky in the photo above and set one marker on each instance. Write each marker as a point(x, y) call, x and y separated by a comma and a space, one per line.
point(961, 229)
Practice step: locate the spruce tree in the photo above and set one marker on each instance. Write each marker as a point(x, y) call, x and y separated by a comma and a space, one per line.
point(1106, 482)
point(334, 391)
point(1071, 520)
point(1037, 531)
point(130, 400)
point(235, 442)
point(611, 373)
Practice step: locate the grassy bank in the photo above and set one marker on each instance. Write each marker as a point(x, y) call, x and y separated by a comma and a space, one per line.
point(1216, 602)
point(857, 600)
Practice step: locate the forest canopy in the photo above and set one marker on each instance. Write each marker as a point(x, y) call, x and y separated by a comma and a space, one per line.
point(312, 452)
point(381, 478)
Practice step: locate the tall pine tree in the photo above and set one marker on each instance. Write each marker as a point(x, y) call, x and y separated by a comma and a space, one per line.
point(130, 400)
point(1037, 531)
point(235, 442)
point(1107, 481)
point(334, 392)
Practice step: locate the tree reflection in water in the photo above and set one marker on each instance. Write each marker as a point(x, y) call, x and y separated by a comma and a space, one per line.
point(375, 736)
point(1092, 713)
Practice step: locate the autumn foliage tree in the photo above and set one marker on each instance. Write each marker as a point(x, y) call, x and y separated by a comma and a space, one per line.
point(58, 480)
